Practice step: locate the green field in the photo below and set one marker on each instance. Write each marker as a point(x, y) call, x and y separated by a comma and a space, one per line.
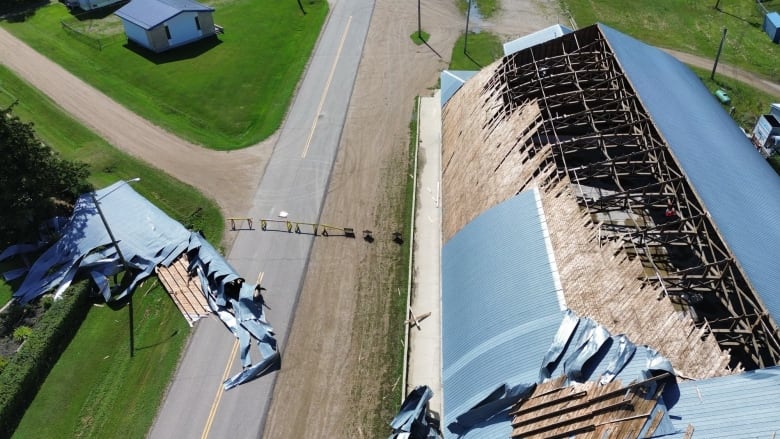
point(95, 390)
point(748, 102)
point(223, 94)
point(691, 26)
point(107, 164)
point(483, 48)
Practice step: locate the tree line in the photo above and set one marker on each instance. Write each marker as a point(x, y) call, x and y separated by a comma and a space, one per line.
point(35, 183)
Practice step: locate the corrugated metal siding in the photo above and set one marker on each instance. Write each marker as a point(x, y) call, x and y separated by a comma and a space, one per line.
point(736, 406)
point(737, 186)
point(538, 37)
point(452, 81)
point(500, 310)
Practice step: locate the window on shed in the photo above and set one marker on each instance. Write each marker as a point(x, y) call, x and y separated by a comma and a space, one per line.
point(197, 23)
point(167, 32)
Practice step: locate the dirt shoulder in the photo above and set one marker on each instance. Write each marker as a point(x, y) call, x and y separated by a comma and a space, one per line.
point(335, 370)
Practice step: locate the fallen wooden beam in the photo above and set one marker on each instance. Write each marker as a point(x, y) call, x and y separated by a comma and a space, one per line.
point(415, 320)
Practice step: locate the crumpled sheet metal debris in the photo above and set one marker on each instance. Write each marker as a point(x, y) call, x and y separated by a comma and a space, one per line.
point(413, 420)
point(582, 350)
point(239, 308)
point(148, 237)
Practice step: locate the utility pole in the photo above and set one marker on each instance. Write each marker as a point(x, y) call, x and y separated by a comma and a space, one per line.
point(419, 22)
point(468, 16)
point(124, 264)
point(717, 57)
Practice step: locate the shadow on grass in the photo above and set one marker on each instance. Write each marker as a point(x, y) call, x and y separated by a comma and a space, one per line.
point(432, 49)
point(98, 13)
point(163, 341)
point(187, 51)
point(20, 13)
point(752, 23)
point(478, 65)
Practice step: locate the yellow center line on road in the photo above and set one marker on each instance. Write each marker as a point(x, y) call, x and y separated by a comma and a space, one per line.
point(220, 390)
point(327, 87)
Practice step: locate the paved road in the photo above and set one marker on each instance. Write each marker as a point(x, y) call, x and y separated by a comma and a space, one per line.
point(294, 181)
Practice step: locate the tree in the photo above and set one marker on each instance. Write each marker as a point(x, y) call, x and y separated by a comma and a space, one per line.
point(33, 181)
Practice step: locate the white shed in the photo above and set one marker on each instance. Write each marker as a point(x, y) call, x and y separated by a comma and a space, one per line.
point(160, 25)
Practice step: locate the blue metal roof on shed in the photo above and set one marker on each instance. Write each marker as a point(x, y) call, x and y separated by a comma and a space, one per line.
point(774, 18)
point(743, 406)
point(149, 13)
point(737, 186)
point(500, 308)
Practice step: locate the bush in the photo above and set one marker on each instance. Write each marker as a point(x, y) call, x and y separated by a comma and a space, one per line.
point(10, 317)
point(47, 301)
point(3, 363)
point(21, 333)
point(27, 369)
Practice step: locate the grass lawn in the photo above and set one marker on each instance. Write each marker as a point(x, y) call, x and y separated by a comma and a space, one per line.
point(749, 103)
point(5, 289)
point(483, 48)
point(107, 164)
point(691, 26)
point(223, 94)
point(95, 390)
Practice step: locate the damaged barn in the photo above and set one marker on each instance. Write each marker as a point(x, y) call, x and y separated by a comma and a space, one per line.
point(642, 172)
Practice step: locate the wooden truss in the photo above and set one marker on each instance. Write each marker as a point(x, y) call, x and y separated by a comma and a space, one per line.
point(589, 410)
point(605, 142)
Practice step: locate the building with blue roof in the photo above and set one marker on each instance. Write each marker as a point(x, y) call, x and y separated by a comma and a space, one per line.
point(160, 25)
point(595, 172)
point(651, 156)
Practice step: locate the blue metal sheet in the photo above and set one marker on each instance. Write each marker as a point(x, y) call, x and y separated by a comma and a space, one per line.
point(743, 405)
point(737, 186)
point(143, 232)
point(500, 308)
point(533, 39)
point(452, 81)
point(149, 13)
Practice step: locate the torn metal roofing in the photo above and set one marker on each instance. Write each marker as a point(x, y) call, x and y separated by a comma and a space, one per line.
point(147, 238)
point(500, 307)
point(735, 183)
point(413, 420)
point(145, 234)
point(581, 351)
point(538, 37)
point(240, 307)
point(149, 13)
